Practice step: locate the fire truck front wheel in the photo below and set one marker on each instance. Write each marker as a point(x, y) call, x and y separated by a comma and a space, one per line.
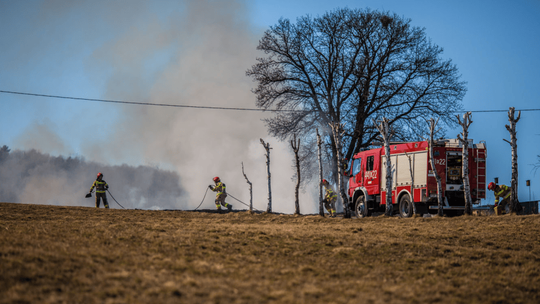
point(406, 208)
point(361, 208)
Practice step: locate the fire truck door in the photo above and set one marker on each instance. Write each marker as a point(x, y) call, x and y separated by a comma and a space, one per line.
point(371, 176)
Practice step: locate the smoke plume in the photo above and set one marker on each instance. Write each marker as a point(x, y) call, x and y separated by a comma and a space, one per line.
point(192, 52)
point(38, 178)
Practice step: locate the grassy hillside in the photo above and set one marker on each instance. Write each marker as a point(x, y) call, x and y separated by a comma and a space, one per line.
point(51, 254)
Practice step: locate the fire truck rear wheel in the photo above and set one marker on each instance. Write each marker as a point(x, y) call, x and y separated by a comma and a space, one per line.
point(360, 207)
point(406, 206)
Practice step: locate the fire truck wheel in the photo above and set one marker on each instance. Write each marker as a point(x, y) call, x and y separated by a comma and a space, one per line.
point(360, 207)
point(406, 206)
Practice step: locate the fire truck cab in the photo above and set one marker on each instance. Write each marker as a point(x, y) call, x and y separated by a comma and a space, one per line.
point(414, 187)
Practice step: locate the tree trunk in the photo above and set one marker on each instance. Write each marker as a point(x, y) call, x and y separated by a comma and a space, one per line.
point(384, 129)
point(411, 172)
point(319, 142)
point(296, 147)
point(250, 189)
point(514, 202)
point(337, 130)
point(432, 125)
point(465, 160)
point(267, 148)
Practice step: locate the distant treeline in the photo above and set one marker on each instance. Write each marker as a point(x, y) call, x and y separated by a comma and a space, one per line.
point(38, 178)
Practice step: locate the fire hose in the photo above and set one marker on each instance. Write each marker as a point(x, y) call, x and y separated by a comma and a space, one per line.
point(115, 199)
point(228, 195)
point(90, 195)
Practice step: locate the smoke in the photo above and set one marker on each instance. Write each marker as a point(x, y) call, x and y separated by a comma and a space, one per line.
point(38, 178)
point(192, 52)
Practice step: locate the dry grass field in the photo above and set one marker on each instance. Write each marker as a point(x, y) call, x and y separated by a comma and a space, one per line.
point(51, 254)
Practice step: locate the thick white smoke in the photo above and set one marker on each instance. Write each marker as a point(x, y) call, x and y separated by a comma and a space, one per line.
point(194, 54)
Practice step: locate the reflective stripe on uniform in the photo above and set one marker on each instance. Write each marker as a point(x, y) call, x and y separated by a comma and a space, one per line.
point(220, 188)
point(505, 190)
point(101, 186)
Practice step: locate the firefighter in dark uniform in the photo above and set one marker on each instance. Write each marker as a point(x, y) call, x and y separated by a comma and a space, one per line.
point(221, 194)
point(101, 187)
point(330, 198)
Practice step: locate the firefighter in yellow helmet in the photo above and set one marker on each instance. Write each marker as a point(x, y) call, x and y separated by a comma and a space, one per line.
point(221, 194)
point(101, 187)
point(501, 191)
point(330, 198)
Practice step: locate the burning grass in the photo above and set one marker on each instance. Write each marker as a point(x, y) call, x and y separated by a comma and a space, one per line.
point(54, 254)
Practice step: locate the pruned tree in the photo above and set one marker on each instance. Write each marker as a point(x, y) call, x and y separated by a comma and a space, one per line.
point(250, 189)
point(349, 66)
point(411, 172)
point(386, 133)
point(295, 145)
point(337, 131)
point(467, 121)
point(267, 148)
point(432, 125)
point(319, 154)
point(514, 202)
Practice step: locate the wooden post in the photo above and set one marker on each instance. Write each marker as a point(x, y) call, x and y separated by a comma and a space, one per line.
point(250, 189)
point(514, 202)
point(432, 124)
point(296, 147)
point(319, 143)
point(267, 148)
point(384, 129)
point(337, 130)
point(465, 159)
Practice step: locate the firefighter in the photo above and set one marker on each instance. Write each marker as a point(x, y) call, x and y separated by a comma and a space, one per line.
point(330, 198)
point(220, 195)
point(500, 191)
point(345, 166)
point(101, 188)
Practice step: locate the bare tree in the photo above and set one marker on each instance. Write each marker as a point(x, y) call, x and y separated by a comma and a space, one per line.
point(337, 130)
point(296, 147)
point(465, 159)
point(384, 129)
point(319, 154)
point(432, 125)
point(411, 172)
point(514, 202)
point(250, 189)
point(267, 148)
point(349, 66)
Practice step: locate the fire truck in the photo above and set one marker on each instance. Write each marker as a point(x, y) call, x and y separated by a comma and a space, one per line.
point(413, 180)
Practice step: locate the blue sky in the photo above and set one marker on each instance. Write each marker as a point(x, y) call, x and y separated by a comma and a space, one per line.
point(196, 52)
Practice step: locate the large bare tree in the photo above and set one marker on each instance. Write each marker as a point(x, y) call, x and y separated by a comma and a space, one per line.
point(349, 66)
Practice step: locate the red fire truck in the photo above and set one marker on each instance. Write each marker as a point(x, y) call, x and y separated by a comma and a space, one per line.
point(413, 181)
